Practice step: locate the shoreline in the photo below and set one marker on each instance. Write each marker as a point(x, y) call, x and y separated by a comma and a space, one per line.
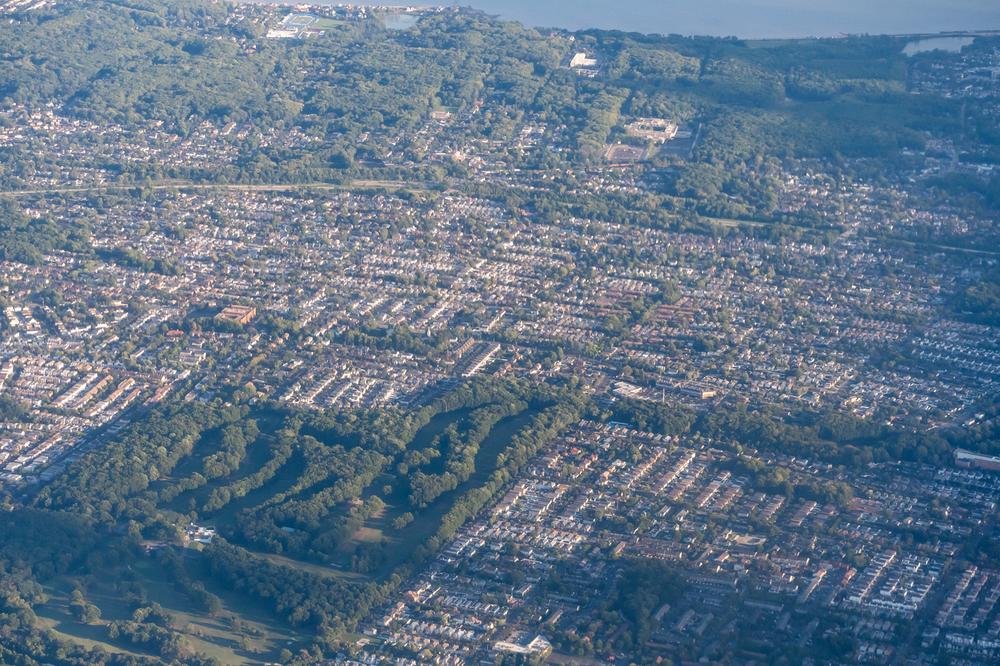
point(402, 7)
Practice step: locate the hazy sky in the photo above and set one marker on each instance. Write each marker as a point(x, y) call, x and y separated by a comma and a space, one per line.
point(748, 18)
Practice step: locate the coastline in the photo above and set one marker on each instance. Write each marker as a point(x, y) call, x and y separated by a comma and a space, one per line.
point(613, 22)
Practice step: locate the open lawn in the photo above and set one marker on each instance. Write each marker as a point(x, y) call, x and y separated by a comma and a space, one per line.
point(324, 23)
point(241, 633)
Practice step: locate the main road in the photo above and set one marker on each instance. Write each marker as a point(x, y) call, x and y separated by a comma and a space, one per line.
point(406, 185)
point(241, 187)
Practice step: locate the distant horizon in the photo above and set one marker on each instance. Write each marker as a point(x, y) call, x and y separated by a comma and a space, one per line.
point(749, 19)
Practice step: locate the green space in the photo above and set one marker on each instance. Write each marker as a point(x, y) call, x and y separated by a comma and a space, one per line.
point(324, 23)
point(236, 633)
point(318, 517)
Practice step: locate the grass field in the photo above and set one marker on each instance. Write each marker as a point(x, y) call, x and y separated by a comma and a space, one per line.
point(621, 153)
point(324, 23)
point(241, 634)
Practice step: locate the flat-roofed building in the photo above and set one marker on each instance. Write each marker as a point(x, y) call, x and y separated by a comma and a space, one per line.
point(977, 460)
point(238, 314)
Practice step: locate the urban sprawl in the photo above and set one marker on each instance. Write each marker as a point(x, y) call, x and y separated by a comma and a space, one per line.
point(388, 293)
